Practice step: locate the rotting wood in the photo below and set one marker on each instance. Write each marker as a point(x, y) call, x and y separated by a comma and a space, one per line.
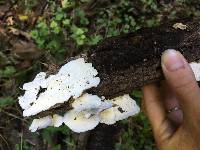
point(132, 60)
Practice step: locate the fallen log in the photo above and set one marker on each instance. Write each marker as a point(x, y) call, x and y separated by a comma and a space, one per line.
point(130, 61)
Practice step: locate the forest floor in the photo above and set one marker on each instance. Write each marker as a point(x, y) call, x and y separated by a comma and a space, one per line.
point(40, 35)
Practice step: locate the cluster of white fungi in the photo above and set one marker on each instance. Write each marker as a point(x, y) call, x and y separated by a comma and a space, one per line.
point(71, 82)
point(87, 110)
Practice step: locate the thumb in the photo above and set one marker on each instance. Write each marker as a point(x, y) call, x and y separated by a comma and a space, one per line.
point(181, 79)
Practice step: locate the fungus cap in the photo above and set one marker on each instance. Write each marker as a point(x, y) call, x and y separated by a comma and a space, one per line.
point(40, 123)
point(90, 104)
point(72, 79)
point(124, 107)
point(108, 116)
point(77, 121)
point(57, 120)
point(196, 70)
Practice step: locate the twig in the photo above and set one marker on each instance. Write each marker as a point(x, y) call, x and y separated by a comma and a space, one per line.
point(21, 141)
point(12, 115)
point(5, 141)
point(82, 140)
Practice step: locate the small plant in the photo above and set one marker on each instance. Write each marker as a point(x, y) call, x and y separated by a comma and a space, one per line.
point(6, 101)
point(7, 72)
point(140, 139)
point(78, 34)
point(49, 133)
point(53, 34)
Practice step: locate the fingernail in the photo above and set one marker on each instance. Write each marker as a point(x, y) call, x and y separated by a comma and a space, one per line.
point(172, 60)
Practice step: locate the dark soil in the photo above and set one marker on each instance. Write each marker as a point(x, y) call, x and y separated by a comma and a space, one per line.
point(104, 137)
point(132, 60)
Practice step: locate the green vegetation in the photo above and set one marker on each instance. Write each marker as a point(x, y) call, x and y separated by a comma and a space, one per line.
point(65, 28)
point(137, 135)
point(68, 24)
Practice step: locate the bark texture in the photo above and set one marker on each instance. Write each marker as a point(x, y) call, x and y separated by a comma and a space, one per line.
point(132, 60)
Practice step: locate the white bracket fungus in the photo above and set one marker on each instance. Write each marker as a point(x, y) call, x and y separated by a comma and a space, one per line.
point(123, 107)
point(90, 104)
point(196, 70)
point(44, 122)
point(77, 122)
point(72, 79)
point(40, 123)
point(87, 110)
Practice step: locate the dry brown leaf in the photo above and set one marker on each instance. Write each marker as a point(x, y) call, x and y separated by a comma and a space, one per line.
point(25, 50)
point(2, 31)
point(10, 21)
point(180, 26)
point(19, 32)
point(4, 9)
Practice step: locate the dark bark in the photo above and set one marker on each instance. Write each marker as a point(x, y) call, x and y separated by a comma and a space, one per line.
point(132, 60)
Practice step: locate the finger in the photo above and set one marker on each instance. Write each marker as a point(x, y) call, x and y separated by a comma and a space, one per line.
point(181, 79)
point(170, 101)
point(156, 112)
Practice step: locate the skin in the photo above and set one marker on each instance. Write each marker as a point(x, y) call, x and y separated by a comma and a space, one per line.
point(178, 130)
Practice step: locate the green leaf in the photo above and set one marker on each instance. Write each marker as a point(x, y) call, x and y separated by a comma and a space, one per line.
point(82, 17)
point(40, 42)
point(80, 42)
point(79, 31)
point(9, 71)
point(95, 39)
point(85, 1)
point(66, 22)
point(65, 3)
point(34, 34)
point(59, 16)
point(42, 25)
point(137, 93)
point(53, 24)
point(57, 147)
point(5, 101)
point(53, 45)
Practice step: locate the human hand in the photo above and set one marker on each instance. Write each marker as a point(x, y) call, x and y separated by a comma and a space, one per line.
point(174, 128)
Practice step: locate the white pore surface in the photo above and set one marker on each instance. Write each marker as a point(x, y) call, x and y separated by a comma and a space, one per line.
point(77, 122)
point(85, 102)
point(88, 118)
point(123, 107)
point(40, 123)
point(196, 69)
point(88, 111)
point(57, 120)
point(90, 104)
point(108, 116)
point(72, 79)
